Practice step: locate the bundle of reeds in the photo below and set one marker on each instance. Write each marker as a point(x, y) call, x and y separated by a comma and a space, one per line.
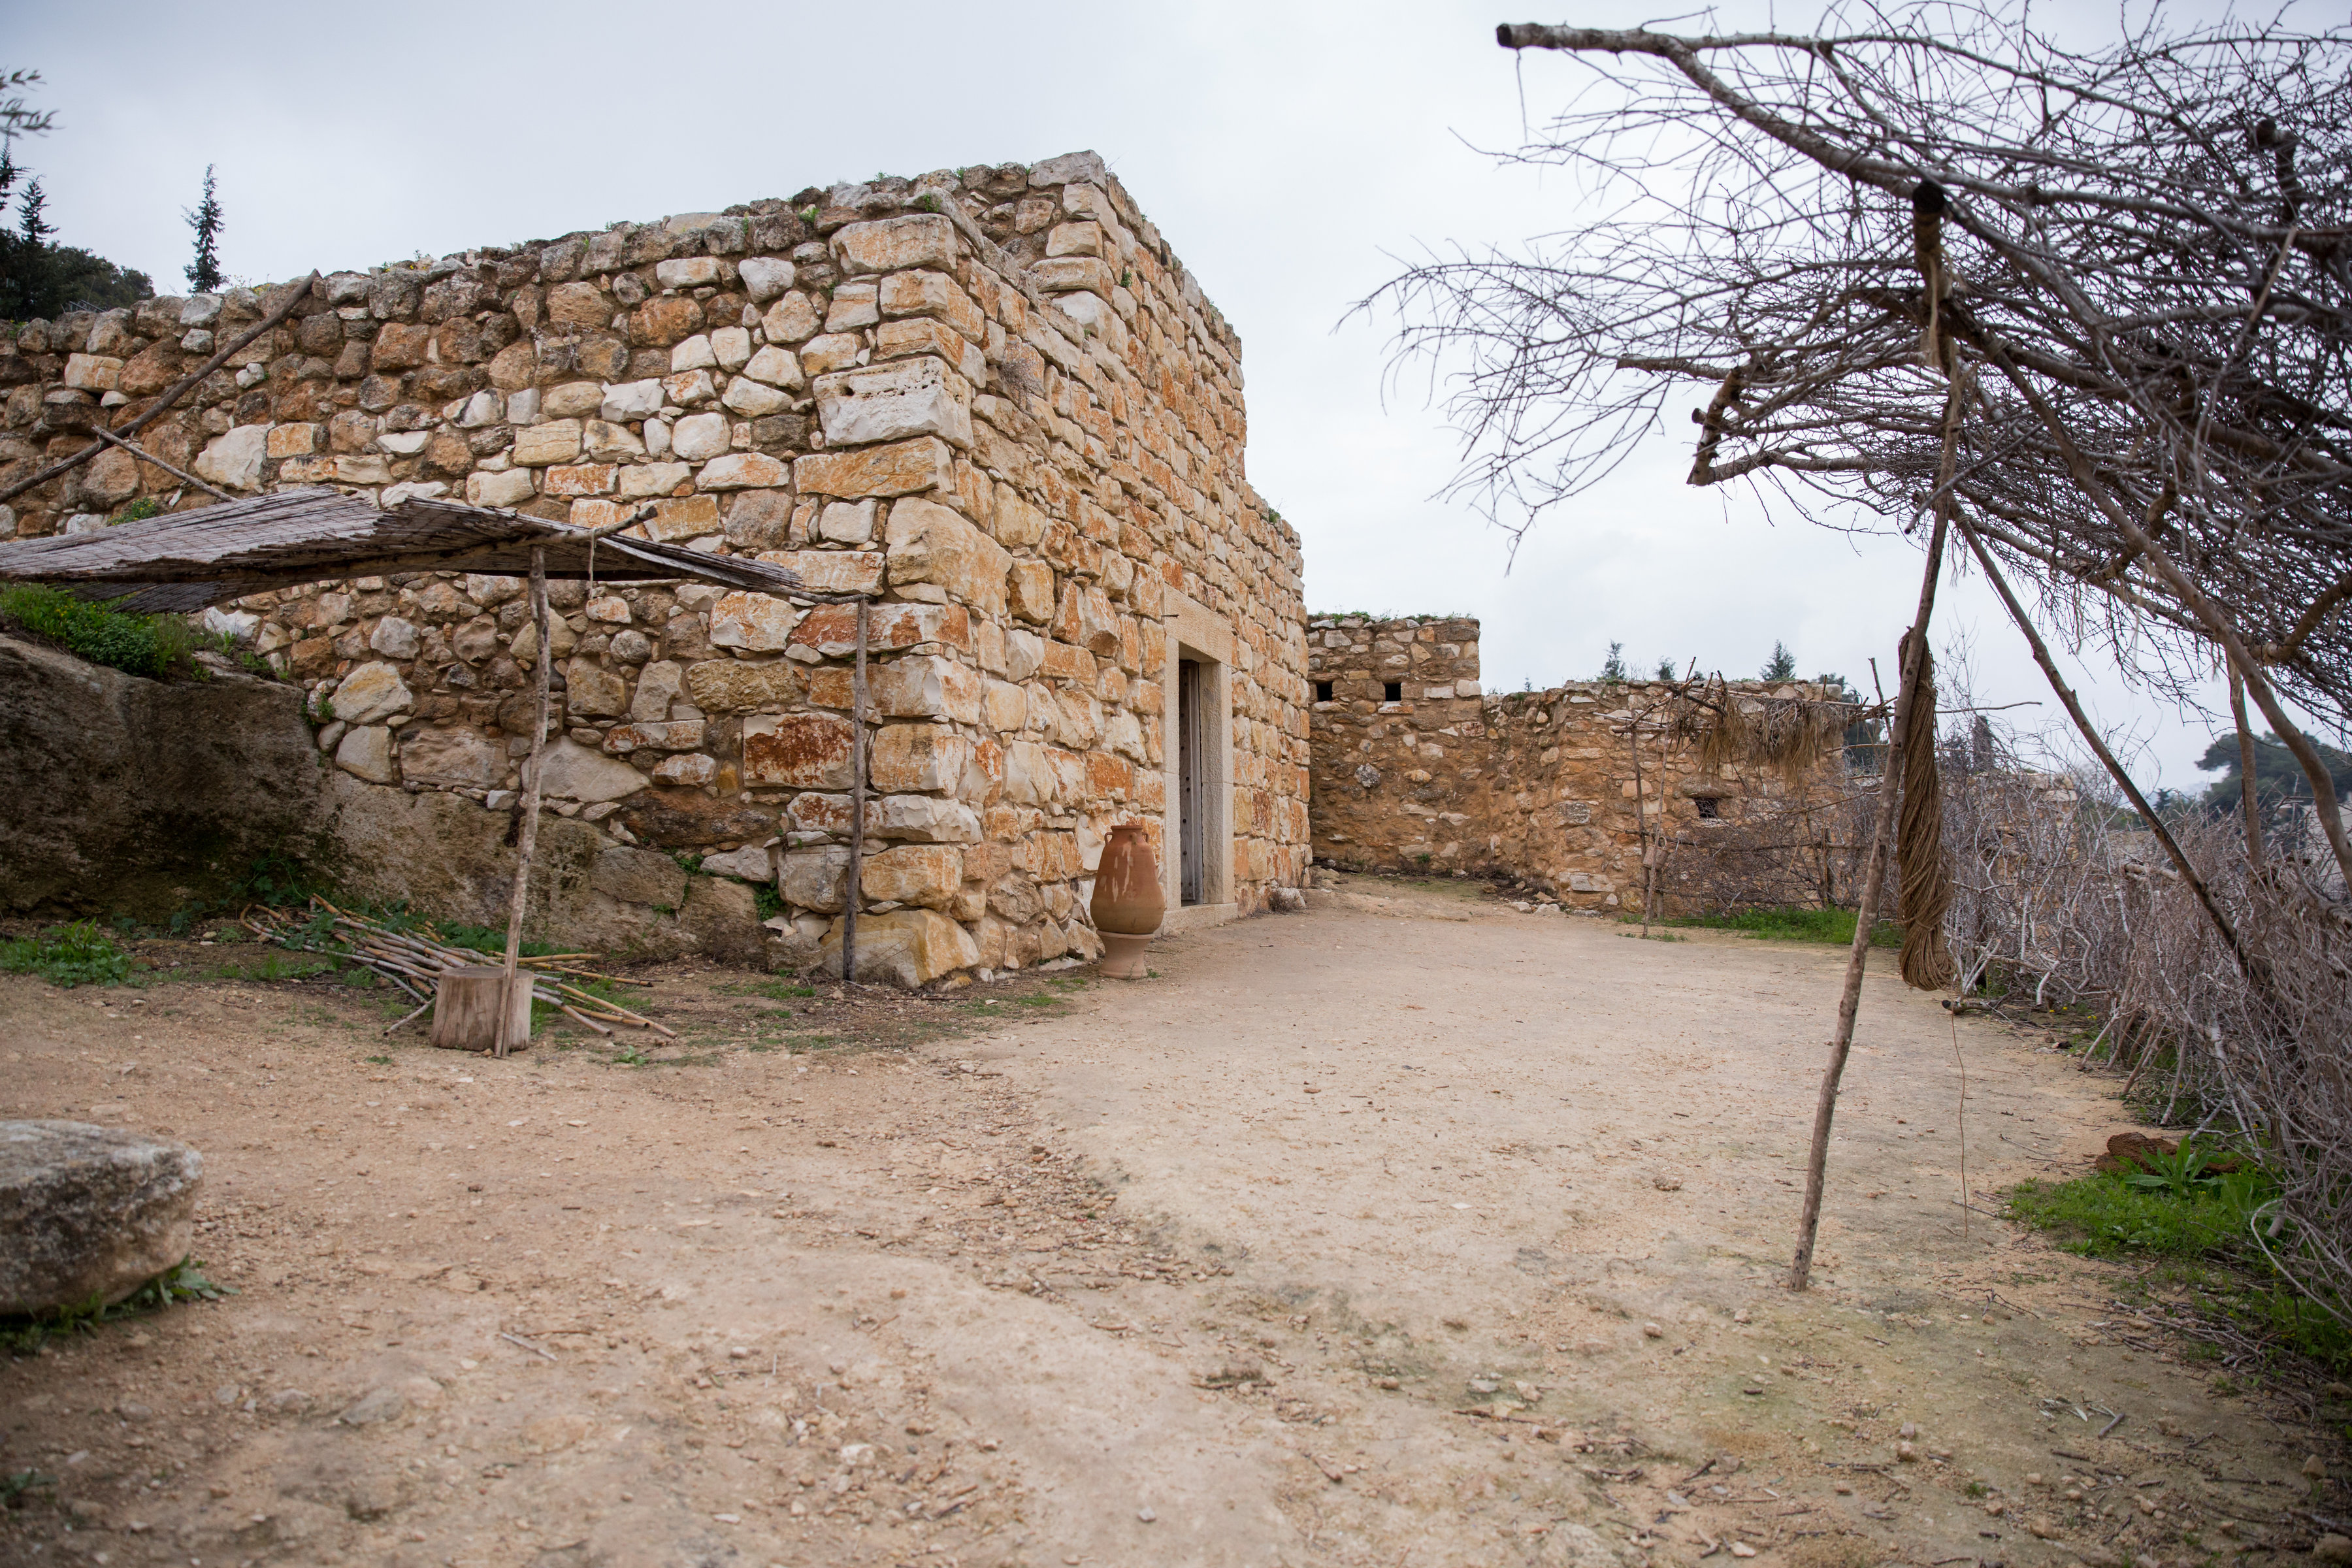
point(415, 957)
point(1742, 730)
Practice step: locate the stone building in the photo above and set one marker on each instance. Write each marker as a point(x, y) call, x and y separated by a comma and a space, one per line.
point(992, 397)
point(1415, 767)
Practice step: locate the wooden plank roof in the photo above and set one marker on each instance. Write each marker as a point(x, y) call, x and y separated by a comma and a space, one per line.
point(188, 560)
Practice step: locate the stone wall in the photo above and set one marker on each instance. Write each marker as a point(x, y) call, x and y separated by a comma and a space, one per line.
point(1415, 768)
point(993, 397)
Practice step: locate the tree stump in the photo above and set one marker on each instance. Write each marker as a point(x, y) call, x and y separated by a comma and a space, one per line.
point(467, 1004)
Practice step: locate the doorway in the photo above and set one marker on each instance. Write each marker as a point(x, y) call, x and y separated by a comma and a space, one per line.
point(1192, 782)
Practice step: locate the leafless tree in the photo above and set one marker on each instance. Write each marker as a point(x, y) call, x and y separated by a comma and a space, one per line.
point(2083, 312)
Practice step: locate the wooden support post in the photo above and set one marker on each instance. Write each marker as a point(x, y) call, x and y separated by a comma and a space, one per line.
point(514, 1032)
point(851, 894)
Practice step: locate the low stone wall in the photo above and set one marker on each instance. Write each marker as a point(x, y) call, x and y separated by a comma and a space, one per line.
point(1416, 768)
point(991, 396)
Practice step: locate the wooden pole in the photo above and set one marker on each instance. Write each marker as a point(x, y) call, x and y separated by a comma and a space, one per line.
point(514, 1028)
point(852, 892)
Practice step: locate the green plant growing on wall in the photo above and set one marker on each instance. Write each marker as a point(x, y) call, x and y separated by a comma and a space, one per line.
point(154, 646)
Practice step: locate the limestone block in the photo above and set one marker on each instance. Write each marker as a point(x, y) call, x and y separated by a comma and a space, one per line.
point(924, 239)
point(625, 402)
point(901, 469)
point(751, 863)
point(921, 686)
point(90, 1212)
point(694, 353)
point(636, 875)
point(1024, 654)
point(688, 388)
point(569, 771)
point(509, 489)
point(775, 366)
point(755, 623)
point(654, 735)
point(832, 571)
point(233, 460)
point(731, 686)
point(832, 351)
point(365, 752)
point(744, 470)
point(372, 692)
point(609, 443)
point(1029, 591)
point(659, 685)
point(915, 757)
point(452, 758)
point(893, 400)
point(754, 400)
point(929, 543)
point(570, 400)
point(846, 523)
point(543, 445)
point(766, 276)
point(817, 877)
point(639, 480)
point(686, 768)
point(800, 750)
point(687, 271)
point(567, 480)
point(700, 436)
point(1087, 620)
point(1005, 708)
point(731, 346)
point(1062, 273)
point(790, 319)
point(832, 630)
point(922, 335)
point(1029, 776)
point(925, 819)
point(928, 875)
point(579, 305)
point(592, 691)
point(853, 306)
point(932, 294)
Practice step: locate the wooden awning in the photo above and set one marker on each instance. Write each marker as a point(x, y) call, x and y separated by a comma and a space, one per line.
point(188, 560)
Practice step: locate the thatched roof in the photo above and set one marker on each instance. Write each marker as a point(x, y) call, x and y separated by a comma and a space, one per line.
point(191, 559)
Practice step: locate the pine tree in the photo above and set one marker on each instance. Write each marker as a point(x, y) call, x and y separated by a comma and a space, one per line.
point(204, 274)
point(1783, 664)
point(1666, 670)
point(1614, 669)
point(32, 227)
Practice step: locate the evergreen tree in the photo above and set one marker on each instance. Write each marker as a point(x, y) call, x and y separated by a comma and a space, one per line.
point(203, 272)
point(1783, 664)
point(1615, 667)
point(1666, 670)
point(33, 227)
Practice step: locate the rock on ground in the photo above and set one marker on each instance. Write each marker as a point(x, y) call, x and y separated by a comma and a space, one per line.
point(90, 1212)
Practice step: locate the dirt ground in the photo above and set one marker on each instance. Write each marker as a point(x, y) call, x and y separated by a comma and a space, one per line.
point(1411, 1230)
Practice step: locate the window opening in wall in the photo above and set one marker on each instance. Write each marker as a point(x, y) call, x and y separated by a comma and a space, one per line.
point(1392, 692)
point(1191, 781)
point(1709, 807)
point(1322, 691)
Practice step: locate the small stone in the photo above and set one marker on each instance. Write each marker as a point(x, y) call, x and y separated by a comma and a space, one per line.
point(376, 1405)
point(1910, 1430)
point(1146, 1515)
point(2042, 1528)
point(1907, 1453)
point(738, 1353)
point(1741, 1549)
point(1653, 1331)
point(1667, 1184)
point(2332, 1549)
point(2315, 1468)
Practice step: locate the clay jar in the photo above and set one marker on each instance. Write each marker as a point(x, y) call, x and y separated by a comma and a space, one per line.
point(1127, 903)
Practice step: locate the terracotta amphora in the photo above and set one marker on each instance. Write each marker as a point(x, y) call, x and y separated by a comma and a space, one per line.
point(1128, 902)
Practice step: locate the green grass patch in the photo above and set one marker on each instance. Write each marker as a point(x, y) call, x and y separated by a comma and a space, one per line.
point(81, 954)
point(773, 990)
point(183, 1281)
point(269, 966)
point(155, 647)
point(1786, 923)
point(2190, 1229)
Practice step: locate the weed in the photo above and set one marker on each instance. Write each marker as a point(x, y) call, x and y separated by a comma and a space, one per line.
point(68, 955)
point(183, 1281)
point(379, 1061)
point(14, 1487)
point(690, 864)
point(774, 990)
point(153, 646)
point(766, 902)
point(138, 510)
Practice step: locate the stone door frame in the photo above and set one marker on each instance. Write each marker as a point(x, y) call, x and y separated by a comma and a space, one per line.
point(1195, 634)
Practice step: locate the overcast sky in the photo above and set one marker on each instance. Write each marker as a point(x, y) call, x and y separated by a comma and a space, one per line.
point(1290, 152)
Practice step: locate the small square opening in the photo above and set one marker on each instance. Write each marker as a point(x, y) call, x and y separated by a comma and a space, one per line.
point(1392, 692)
point(1708, 806)
point(1322, 691)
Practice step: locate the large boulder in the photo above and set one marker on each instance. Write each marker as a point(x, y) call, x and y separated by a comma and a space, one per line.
point(90, 1212)
point(911, 947)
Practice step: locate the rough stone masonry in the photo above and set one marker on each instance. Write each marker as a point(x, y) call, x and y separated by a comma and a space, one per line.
point(1415, 767)
point(991, 396)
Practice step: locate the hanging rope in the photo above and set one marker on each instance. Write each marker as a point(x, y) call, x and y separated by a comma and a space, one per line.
point(1924, 885)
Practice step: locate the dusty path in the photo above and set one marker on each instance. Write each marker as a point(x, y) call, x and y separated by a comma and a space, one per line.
point(1411, 1230)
